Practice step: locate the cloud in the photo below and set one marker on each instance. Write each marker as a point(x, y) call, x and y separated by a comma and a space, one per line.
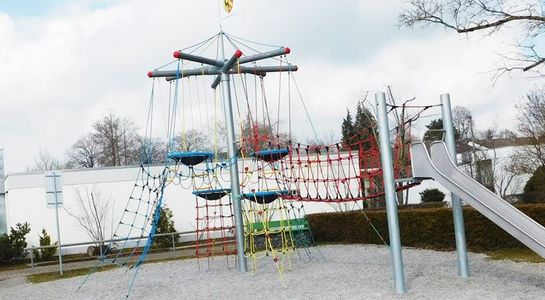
point(62, 70)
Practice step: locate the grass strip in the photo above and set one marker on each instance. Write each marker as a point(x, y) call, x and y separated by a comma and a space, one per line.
point(516, 255)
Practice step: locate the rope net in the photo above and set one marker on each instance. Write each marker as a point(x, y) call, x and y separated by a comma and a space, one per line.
point(214, 221)
point(342, 172)
point(215, 227)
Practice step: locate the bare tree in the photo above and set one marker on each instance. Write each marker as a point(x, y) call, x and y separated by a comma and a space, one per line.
point(402, 142)
point(192, 140)
point(259, 135)
point(328, 138)
point(114, 141)
point(153, 151)
point(531, 124)
point(118, 141)
point(506, 134)
point(489, 134)
point(501, 175)
point(507, 178)
point(45, 162)
point(489, 17)
point(463, 123)
point(84, 153)
point(93, 213)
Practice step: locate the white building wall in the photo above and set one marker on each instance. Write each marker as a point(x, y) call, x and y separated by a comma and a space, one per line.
point(26, 202)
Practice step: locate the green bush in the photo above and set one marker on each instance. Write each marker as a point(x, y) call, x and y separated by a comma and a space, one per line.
point(12, 245)
point(422, 228)
point(165, 225)
point(45, 240)
point(431, 195)
point(534, 190)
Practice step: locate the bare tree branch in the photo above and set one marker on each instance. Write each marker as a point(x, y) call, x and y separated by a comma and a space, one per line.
point(92, 213)
point(487, 16)
point(45, 162)
point(84, 153)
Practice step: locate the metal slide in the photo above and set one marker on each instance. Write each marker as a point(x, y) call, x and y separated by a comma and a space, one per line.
point(441, 168)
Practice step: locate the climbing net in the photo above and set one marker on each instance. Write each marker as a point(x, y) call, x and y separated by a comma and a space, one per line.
point(133, 236)
point(214, 209)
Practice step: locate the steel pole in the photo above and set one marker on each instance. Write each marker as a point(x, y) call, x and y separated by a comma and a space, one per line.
point(57, 217)
point(457, 210)
point(235, 184)
point(3, 215)
point(389, 192)
point(32, 259)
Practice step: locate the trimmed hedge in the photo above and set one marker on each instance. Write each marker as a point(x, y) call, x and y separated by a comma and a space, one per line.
point(429, 228)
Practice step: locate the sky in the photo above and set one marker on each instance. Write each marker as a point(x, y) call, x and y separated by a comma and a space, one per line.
point(65, 64)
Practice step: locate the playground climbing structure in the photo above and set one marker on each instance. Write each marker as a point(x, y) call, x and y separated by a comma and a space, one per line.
point(231, 147)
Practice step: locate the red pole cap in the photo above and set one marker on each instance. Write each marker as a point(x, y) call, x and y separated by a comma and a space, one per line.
point(287, 50)
point(238, 53)
point(150, 74)
point(177, 54)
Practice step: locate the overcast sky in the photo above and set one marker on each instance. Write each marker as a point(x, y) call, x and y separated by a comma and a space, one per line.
point(64, 64)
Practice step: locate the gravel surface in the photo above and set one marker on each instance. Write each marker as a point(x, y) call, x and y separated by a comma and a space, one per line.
point(349, 272)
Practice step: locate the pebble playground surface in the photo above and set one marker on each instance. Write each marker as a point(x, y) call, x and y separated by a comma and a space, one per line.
point(348, 272)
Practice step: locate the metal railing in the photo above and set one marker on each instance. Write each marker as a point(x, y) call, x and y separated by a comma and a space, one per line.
point(102, 242)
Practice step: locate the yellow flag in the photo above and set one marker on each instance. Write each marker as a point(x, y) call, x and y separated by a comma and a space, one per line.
point(228, 5)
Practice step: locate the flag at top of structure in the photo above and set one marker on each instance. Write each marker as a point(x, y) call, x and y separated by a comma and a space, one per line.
point(228, 5)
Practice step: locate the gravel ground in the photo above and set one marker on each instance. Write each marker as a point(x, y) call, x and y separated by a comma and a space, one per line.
point(349, 272)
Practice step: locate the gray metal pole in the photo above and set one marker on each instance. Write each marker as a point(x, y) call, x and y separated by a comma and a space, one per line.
point(57, 217)
point(32, 259)
point(235, 184)
point(457, 211)
point(173, 246)
point(389, 192)
point(232, 152)
point(3, 216)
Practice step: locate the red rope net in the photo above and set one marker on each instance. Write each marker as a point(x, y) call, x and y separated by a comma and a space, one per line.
point(215, 227)
point(342, 172)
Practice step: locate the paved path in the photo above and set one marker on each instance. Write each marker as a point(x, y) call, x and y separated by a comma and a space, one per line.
point(16, 277)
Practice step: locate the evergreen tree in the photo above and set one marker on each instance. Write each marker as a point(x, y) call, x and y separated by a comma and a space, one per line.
point(534, 190)
point(435, 131)
point(347, 128)
point(364, 125)
point(165, 224)
point(360, 129)
point(45, 240)
point(12, 245)
point(431, 195)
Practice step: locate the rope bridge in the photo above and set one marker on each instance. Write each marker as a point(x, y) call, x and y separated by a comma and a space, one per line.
point(342, 172)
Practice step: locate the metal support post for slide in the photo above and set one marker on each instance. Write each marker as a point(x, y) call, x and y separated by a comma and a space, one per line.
point(457, 211)
point(389, 192)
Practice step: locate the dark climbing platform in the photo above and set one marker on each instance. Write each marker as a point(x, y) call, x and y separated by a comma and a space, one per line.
point(264, 197)
point(190, 158)
point(270, 155)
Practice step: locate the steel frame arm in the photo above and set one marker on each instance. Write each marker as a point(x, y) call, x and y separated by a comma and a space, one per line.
point(196, 58)
point(264, 55)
